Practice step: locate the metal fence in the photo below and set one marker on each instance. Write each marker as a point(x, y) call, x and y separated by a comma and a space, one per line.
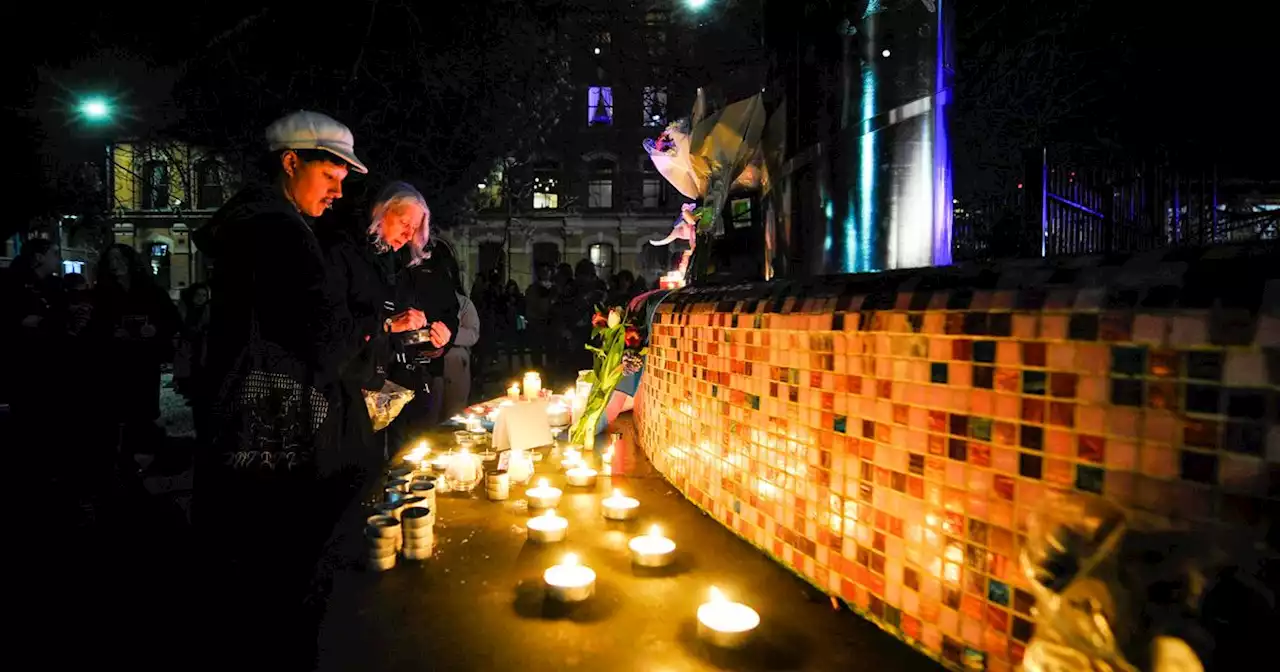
point(1061, 207)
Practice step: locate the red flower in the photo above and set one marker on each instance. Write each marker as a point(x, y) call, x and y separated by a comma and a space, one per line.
point(632, 337)
point(599, 321)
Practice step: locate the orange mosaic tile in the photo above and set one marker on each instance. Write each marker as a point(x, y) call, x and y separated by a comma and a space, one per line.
point(889, 445)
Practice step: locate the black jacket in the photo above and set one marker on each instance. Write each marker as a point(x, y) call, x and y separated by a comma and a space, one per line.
point(366, 280)
point(429, 289)
point(267, 264)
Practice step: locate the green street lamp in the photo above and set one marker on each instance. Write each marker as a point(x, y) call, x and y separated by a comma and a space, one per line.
point(95, 109)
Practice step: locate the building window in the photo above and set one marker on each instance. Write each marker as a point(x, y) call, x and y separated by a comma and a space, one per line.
point(155, 185)
point(599, 106)
point(655, 106)
point(545, 255)
point(209, 181)
point(652, 192)
point(489, 192)
point(600, 185)
point(740, 213)
point(69, 266)
point(490, 259)
point(601, 255)
point(546, 187)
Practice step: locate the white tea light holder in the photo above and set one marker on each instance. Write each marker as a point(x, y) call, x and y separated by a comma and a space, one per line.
point(543, 496)
point(618, 506)
point(547, 528)
point(569, 581)
point(726, 624)
point(652, 549)
point(581, 477)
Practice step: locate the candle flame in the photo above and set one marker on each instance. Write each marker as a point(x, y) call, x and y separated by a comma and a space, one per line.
point(716, 596)
point(550, 513)
point(617, 493)
point(656, 531)
point(542, 483)
point(569, 560)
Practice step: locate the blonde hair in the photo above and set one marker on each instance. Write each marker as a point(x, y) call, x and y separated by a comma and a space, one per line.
point(392, 197)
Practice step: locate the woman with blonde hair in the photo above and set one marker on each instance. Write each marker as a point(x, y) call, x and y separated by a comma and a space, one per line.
point(364, 273)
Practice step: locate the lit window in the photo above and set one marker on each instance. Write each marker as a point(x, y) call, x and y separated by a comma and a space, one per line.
point(599, 106)
point(655, 106)
point(741, 213)
point(69, 267)
point(546, 192)
point(601, 256)
point(600, 185)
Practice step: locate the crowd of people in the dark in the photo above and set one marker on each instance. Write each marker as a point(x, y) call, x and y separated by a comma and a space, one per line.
point(546, 325)
point(309, 311)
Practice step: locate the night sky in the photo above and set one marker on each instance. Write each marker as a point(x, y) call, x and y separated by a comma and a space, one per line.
point(1198, 82)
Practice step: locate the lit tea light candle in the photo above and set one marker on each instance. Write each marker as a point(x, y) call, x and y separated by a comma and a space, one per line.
point(571, 458)
point(618, 506)
point(726, 624)
point(543, 496)
point(558, 414)
point(570, 581)
point(547, 528)
point(513, 392)
point(474, 424)
point(532, 385)
point(441, 463)
point(652, 550)
point(581, 477)
point(463, 469)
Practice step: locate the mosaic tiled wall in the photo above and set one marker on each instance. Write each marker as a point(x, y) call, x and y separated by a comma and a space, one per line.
point(885, 436)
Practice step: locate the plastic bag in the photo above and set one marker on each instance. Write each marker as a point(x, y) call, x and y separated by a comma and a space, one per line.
point(1116, 590)
point(385, 404)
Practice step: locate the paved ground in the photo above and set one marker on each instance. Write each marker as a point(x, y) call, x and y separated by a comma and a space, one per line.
point(479, 604)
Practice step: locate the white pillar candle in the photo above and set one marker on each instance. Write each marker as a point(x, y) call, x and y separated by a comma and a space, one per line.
point(532, 385)
point(652, 550)
point(580, 477)
point(520, 466)
point(726, 624)
point(543, 496)
point(618, 506)
point(463, 470)
point(547, 528)
point(558, 414)
point(570, 581)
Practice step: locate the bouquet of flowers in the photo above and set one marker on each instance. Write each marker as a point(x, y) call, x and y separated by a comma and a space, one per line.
point(620, 353)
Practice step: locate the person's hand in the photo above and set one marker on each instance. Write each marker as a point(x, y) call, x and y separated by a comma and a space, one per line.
point(32, 321)
point(147, 331)
point(409, 320)
point(440, 335)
